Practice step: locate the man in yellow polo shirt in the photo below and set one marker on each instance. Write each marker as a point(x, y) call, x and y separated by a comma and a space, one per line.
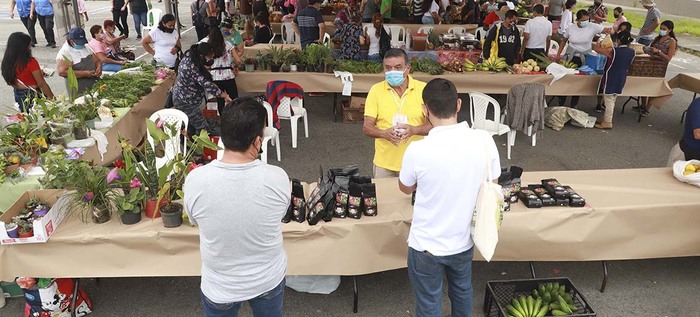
point(394, 114)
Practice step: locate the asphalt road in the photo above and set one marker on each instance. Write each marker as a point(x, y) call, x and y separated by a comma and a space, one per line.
point(659, 287)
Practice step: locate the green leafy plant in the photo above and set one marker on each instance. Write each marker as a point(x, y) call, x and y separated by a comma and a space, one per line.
point(129, 201)
point(360, 67)
point(94, 194)
point(60, 172)
point(125, 89)
point(426, 65)
point(277, 54)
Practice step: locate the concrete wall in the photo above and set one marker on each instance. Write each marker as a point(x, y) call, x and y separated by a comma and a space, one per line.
point(687, 8)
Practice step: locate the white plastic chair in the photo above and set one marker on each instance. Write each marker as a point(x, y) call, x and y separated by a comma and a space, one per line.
point(173, 146)
point(480, 33)
point(289, 36)
point(270, 134)
point(478, 108)
point(425, 29)
point(398, 35)
point(326, 38)
point(457, 30)
point(152, 20)
point(283, 112)
point(553, 46)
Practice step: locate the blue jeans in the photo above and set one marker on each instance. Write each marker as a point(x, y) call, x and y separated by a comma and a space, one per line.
point(645, 42)
point(428, 19)
point(139, 20)
point(24, 98)
point(425, 271)
point(268, 304)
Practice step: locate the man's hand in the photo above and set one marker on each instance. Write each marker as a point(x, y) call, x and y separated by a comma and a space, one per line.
point(392, 136)
point(124, 7)
point(12, 15)
point(97, 73)
point(407, 131)
point(173, 50)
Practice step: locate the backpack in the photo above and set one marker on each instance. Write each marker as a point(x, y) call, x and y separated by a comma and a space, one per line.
point(199, 19)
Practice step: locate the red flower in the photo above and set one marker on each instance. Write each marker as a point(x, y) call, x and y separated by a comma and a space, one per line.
point(193, 166)
point(119, 164)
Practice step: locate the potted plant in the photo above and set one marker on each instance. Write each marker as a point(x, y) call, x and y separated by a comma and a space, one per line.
point(329, 64)
point(93, 196)
point(277, 55)
point(293, 58)
point(24, 229)
point(25, 136)
point(129, 204)
point(249, 64)
point(84, 111)
point(262, 59)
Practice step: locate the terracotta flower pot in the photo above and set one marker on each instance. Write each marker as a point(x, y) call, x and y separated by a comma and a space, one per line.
point(26, 234)
point(151, 208)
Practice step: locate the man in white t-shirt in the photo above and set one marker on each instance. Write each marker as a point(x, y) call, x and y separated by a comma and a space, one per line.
point(445, 170)
point(238, 202)
point(538, 34)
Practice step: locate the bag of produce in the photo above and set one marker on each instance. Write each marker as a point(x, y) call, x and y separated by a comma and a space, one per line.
point(687, 171)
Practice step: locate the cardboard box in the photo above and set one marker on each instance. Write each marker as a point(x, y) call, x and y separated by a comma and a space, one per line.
point(354, 110)
point(44, 227)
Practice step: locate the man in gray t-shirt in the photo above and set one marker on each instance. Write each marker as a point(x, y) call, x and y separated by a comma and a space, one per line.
point(238, 203)
point(368, 8)
point(652, 21)
point(556, 7)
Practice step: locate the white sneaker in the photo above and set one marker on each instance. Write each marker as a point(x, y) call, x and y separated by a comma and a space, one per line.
point(2, 298)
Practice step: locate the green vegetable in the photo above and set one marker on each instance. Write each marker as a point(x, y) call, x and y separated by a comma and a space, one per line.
point(363, 67)
point(426, 65)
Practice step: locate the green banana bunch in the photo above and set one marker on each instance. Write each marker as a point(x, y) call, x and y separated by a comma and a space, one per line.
point(556, 298)
point(569, 64)
point(469, 66)
point(526, 307)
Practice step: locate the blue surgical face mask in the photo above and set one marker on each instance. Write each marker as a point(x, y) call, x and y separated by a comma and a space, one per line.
point(663, 32)
point(584, 24)
point(394, 78)
point(227, 33)
point(78, 46)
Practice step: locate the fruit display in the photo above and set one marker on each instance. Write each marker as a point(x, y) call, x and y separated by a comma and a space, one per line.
point(494, 63)
point(455, 65)
point(526, 307)
point(469, 66)
point(556, 298)
point(526, 67)
point(691, 168)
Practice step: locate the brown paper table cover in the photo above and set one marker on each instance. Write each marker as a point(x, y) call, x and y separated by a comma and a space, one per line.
point(687, 81)
point(631, 214)
point(571, 85)
point(132, 126)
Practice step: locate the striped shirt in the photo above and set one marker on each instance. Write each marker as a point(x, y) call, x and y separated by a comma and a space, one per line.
point(418, 8)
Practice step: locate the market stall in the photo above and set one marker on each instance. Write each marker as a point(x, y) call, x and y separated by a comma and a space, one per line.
point(630, 214)
point(490, 83)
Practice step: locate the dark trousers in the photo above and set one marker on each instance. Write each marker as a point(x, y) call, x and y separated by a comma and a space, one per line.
point(46, 23)
point(418, 19)
point(229, 86)
point(29, 24)
point(574, 99)
point(194, 113)
point(529, 53)
point(119, 18)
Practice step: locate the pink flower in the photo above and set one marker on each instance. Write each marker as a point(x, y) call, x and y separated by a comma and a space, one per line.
point(159, 123)
point(88, 197)
point(113, 175)
point(135, 183)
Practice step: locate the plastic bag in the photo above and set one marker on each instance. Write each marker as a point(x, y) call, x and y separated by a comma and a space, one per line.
point(54, 299)
point(315, 284)
point(692, 178)
point(488, 215)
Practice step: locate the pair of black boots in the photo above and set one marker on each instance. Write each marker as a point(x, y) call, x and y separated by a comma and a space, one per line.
point(360, 199)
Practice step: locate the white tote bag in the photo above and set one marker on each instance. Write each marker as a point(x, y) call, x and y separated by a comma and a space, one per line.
point(488, 215)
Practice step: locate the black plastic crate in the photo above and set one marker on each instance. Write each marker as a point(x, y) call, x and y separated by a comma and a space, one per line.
point(501, 293)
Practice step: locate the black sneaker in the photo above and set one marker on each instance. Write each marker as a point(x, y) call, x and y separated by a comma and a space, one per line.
point(645, 113)
point(599, 108)
point(138, 37)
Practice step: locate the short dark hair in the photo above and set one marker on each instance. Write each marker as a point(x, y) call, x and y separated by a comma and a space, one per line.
point(570, 4)
point(396, 52)
point(94, 30)
point(618, 9)
point(627, 25)
point(624, 37)
point(580, 14)
point(501, 5)
point(511, 14)
point(440, 97)
point(539, 9)
point(241, 122)
point(166, 18)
